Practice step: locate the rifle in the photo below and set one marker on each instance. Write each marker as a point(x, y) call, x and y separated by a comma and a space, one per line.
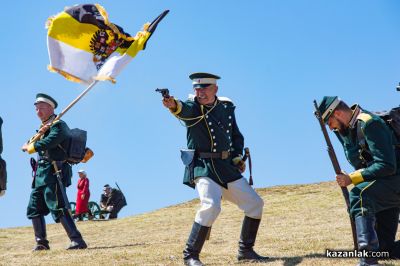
point(336, 167)
point(118, 186)
point(121, 193)
point(164, 92)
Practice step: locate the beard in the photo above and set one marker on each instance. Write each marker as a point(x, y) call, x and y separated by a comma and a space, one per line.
point(342, 128)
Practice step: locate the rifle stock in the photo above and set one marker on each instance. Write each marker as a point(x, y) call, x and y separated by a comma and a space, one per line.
point(336, 167)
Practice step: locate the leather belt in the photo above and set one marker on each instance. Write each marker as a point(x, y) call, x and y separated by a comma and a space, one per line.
point(214, 155)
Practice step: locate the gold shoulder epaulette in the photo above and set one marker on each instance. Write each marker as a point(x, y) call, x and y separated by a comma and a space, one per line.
point(364, 117)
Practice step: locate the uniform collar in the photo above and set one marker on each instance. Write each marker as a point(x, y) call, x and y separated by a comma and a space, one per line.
point(48, 119)
point(208, 105)
point(356, 111)
point(213, 104)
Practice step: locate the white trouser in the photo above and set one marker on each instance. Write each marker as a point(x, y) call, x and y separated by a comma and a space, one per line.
point(239, 192)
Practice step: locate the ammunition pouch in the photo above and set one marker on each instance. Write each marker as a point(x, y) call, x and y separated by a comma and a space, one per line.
point(188, 158)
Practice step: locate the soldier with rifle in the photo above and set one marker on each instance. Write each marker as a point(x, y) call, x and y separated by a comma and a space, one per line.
point(112, 201)
point(214, 165)
point(51, 175)
point(375, 198)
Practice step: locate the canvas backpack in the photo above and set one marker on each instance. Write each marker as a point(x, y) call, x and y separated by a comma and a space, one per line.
point(75, 146)
point(392, 119)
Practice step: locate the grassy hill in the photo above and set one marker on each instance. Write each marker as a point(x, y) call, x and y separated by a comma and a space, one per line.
point(300, 222)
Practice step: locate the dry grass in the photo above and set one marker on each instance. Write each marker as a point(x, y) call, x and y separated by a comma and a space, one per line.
point(300, 222)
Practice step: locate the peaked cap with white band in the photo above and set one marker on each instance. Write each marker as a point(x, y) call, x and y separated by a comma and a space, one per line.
point(44, 98)
point(202, 80)
point(327, 106)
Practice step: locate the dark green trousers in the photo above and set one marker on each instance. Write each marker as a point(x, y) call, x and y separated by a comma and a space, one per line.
point(369, 198)
point(44, 200)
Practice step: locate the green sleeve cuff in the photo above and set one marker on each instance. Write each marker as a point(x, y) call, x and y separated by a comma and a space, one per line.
point(31, 148)
point(356, 177)
point(178, 107)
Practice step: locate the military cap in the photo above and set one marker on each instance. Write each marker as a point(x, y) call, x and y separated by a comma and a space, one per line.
point(44, 98)
point(202, 80)
point(327, 106)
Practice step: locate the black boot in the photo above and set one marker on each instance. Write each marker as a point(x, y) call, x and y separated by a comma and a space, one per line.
point(195, 244)
point(39, 228)
point(386, 228)
point(367, 238)
point(74, 235)
point(247, 240)
point(395, 251)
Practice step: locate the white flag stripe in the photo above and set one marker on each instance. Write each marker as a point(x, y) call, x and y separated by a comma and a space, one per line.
point(114, 65)
point(75, 62)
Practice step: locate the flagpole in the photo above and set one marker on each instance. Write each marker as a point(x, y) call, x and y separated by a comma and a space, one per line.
point(38, 135)
point(75, 101)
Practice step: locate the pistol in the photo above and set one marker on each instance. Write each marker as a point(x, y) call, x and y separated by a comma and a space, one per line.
point(164, 92)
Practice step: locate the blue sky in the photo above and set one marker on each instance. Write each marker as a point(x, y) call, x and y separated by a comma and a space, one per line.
point(274, 57)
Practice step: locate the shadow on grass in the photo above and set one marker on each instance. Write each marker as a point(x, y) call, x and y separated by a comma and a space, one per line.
point(119, 246)
point(293, 261)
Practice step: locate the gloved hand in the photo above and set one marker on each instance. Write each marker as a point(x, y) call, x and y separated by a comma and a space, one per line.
point(239, 163)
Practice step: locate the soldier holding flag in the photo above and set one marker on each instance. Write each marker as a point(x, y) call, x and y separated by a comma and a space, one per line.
point(214, 165)
point(48, 192)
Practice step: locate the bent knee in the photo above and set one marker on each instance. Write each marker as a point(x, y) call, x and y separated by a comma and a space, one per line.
point(212, 209)
point(207, 214)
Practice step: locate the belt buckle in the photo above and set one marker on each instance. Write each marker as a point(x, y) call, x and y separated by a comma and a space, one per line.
point(224, 155)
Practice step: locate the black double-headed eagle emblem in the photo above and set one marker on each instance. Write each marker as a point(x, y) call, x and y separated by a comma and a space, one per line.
point(102, 45)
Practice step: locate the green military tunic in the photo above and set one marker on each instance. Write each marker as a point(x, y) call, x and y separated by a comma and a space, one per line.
point(212, 129)
point(46, 195)
point(377, 178)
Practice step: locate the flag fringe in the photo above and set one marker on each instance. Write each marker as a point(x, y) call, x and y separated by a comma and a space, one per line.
point(114, 28)
point(103, 78)
point(65, 74)
point(49, 21)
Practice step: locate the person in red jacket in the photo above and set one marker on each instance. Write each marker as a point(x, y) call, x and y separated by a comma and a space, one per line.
point(83, 196)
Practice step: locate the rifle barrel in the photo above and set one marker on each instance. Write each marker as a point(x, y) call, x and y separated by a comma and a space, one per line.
point(336, 167)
